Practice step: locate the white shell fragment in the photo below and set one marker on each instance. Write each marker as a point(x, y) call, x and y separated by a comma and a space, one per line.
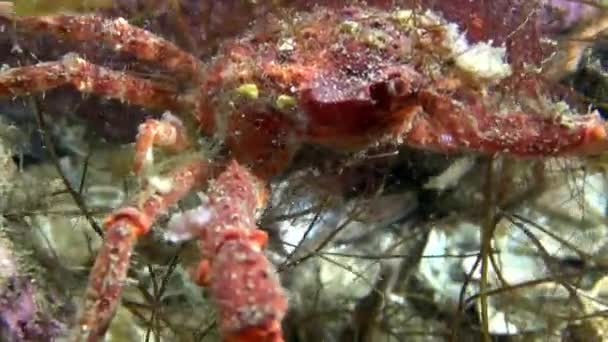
point(185, 226)
point(484, 61)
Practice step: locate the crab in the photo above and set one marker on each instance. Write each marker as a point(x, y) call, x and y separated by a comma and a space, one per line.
point(344, 79)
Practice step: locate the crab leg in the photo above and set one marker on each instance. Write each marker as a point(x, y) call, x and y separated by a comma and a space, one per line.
point(444, 126)
point(117, 33)
point(243, 283)
point(168, 132)
point(122, 231)
point(87, 78)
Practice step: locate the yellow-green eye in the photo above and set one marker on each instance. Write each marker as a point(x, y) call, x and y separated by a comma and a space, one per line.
point(285, 102)
point(248, 90)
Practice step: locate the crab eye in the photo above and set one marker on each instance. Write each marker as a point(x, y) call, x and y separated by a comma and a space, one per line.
point(380, 94)
point(384, 93)
point(396, 87)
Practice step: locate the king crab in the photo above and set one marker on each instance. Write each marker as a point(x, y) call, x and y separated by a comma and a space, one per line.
point(345, 79)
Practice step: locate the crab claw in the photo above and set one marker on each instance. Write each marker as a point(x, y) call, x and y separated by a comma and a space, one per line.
point(445, 126)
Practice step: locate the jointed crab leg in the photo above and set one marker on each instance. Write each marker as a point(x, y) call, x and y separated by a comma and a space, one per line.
point(445, 126)
point(87, 78)
point(122, 230)
point(169, 132)
point(244, 285)
point(119, 34)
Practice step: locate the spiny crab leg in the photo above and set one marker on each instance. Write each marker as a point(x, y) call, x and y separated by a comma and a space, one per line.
point(117, 33)
point(445, 126)
point(123, 228)
point(244, 285)
point(87, 78)
point(168, 132)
